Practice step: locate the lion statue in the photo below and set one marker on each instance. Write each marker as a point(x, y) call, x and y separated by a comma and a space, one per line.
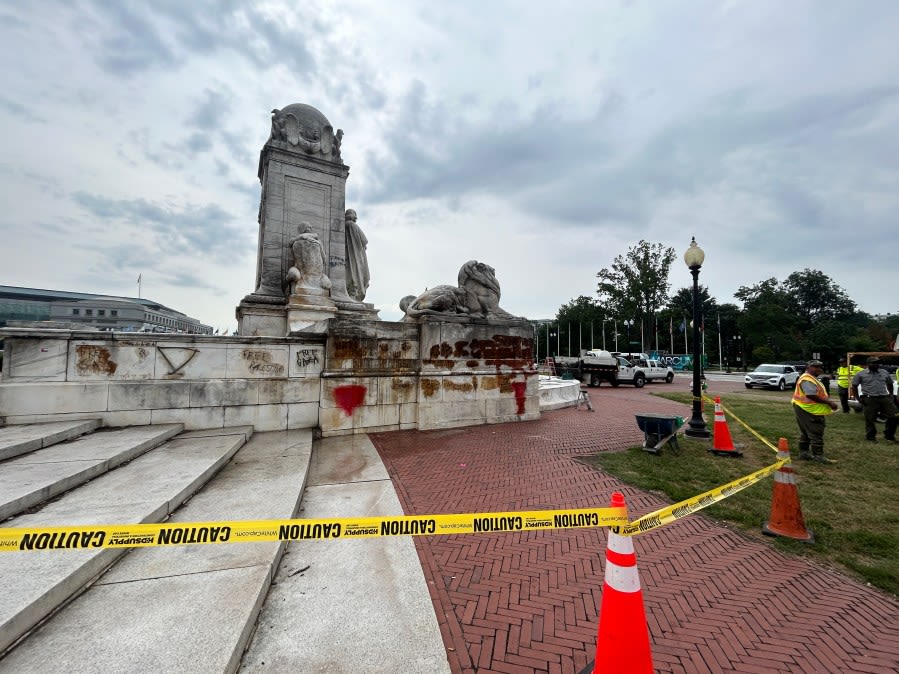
point(477, 295)
point(436, 300)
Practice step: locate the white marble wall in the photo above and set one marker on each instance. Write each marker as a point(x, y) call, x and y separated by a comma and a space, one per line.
point(203, 382)
point(368, 377)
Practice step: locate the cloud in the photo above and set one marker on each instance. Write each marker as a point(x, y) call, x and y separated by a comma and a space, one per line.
point(207, 231)
point(164, 35)
point(472, 131)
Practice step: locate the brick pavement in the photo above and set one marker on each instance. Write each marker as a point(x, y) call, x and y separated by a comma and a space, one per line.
point(527, 602)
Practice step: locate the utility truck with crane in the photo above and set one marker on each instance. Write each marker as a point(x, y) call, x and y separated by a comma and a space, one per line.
point(596, 366)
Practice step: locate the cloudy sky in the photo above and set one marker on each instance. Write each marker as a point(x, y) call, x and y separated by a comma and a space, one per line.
point(544, 139)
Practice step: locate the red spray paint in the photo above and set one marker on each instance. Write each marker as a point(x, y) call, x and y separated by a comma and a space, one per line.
point(520, 388)
point(348, 398)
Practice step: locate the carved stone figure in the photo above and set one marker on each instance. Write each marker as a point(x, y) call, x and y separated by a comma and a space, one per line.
point(481, 290)
point(357, 276)
point(335, 146)
point(277, 126)
point(305, 127)
point(477, 295)
point(309, 264)
point(437, 300)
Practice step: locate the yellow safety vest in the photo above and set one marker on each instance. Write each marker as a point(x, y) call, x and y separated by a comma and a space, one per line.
point(845, 375)
point(806, 403)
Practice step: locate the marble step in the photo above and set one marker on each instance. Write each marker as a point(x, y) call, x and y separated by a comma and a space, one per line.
point(348, 605)
point(148, 489)
point(187, 608)
point(16, 440)
point(29, 479)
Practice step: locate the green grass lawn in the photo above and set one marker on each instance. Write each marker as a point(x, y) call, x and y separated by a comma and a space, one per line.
point(852, 507)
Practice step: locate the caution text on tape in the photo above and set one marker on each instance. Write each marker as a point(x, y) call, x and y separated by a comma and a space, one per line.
point(190, 533)
point(247, 531)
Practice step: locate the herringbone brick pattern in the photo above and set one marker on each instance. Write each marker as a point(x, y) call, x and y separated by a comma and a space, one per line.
point(528, 602)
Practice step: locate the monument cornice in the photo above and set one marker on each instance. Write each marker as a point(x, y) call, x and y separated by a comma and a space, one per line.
point(284, 153)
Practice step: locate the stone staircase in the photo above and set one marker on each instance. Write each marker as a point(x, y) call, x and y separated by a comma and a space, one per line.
point(180, 609)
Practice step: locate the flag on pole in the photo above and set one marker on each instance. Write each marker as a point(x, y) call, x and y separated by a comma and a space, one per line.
point(683, 324)
point(138, 277)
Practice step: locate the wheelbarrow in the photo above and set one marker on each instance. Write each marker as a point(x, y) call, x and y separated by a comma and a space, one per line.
point(659, 430)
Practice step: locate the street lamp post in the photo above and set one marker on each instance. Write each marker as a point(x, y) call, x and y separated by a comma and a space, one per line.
point(694, 258)
point(628, 323)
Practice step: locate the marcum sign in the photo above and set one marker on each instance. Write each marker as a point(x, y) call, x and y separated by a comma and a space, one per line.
point(683, 361)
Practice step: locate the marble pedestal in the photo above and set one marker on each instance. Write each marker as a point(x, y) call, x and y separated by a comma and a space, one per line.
point(309, 310)
point(261, 320)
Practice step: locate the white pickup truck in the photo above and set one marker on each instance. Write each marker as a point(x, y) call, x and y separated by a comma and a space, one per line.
point(596, 366)
point(641, 371)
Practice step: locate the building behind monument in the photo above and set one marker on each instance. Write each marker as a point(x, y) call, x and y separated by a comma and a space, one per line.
point(93, 312)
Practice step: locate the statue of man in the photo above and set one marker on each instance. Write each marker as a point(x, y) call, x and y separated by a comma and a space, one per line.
point(308, 270)
point(357, 275)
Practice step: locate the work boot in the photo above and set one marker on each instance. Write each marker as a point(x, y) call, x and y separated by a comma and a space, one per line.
point(805, 456)
point(820, 458)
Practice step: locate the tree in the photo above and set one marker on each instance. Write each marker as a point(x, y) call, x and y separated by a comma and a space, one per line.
point(817, 298)
point(769, 319)
point(636, 285)
point(582, 309)
point(680, 307)
point(579, 322)
point(681, 303)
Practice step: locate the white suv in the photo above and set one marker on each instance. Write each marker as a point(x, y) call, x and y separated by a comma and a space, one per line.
point(772, 376)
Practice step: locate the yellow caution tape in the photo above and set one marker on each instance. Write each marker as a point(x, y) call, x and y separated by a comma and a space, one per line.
point(691, 505)
point(191, 533)
point(743, 424)
point(188, 533)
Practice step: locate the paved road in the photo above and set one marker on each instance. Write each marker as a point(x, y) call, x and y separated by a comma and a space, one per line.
point(523, 603)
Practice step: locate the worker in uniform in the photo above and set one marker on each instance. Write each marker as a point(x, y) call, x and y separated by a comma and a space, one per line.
point(844, 377)
point(877, 396)
point(811, 404)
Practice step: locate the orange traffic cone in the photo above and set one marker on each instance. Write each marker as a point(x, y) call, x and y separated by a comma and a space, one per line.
point(786, 515)
point(622, 644)
point(722, 444)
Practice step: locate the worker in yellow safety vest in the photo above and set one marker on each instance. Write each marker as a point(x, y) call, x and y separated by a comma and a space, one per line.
point(811, 405)
point(845, 373)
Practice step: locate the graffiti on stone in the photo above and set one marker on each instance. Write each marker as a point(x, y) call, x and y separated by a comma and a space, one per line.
point(175, 357)
point(261, 362)
point(306, 357)
point(94, 360)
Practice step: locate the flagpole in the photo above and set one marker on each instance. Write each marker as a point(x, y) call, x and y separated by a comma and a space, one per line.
point(720, 365)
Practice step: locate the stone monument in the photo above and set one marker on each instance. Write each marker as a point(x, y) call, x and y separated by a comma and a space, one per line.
point(309, 353)
point(303, 188)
